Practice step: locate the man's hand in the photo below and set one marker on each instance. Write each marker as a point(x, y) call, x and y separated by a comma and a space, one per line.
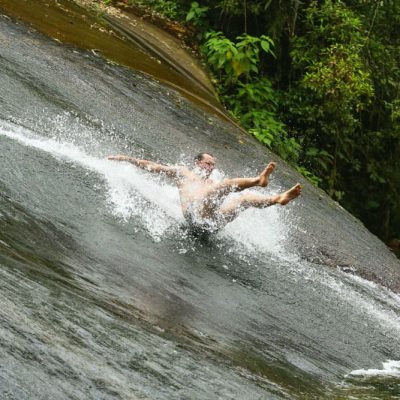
point(118, 158)
point(150, 166)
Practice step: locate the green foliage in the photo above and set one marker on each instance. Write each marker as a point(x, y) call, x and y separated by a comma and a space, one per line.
point(251, 100)
point(335, 86)
point(220, 52)
point(234, 7)
point(327, 99)
point(254, 105)
point(167, 8)
point(309, 175)
point(197, 15)
point(233, 60)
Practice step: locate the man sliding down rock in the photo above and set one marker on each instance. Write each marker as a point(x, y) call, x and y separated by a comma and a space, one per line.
point(202, 198)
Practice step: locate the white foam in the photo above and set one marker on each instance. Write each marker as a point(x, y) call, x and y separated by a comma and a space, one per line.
point(381, 292)
point(258, 230)
point(390, 368)
point(377, 306)
point(134, 193)
point(137, 197)
point(130, 192)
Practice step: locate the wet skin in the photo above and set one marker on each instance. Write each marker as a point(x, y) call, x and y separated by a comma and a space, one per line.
point(204, 196)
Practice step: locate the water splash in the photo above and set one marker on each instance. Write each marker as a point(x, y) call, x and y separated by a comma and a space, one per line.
point(130, 193)
point(390, 368)
point(135, 195)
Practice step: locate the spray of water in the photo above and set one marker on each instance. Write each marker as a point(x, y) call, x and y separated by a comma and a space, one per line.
point(132, 193)
point(389, 368)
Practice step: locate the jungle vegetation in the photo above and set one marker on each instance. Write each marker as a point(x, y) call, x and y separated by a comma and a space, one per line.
point(317, 82)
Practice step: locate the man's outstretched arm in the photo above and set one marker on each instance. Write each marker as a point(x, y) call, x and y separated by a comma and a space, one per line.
point(148, 165)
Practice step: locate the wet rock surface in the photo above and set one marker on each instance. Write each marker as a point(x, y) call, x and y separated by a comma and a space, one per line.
point(104, 294)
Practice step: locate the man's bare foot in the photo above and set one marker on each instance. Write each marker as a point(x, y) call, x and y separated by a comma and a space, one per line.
point(264, 176)
point(291, 194)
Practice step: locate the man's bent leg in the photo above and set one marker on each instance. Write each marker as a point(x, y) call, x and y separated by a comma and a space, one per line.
point(238, 184)
point(215, 195)
point(233, 208)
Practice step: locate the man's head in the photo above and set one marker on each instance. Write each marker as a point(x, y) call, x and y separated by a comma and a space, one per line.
point(205, 162)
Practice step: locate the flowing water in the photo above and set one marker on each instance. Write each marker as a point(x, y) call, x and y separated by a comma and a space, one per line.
point(104, 294)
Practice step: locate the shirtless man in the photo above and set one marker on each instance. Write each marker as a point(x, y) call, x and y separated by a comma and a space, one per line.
point(202, 198)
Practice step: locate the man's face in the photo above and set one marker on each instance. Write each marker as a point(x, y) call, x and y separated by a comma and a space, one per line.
point(207, 163)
